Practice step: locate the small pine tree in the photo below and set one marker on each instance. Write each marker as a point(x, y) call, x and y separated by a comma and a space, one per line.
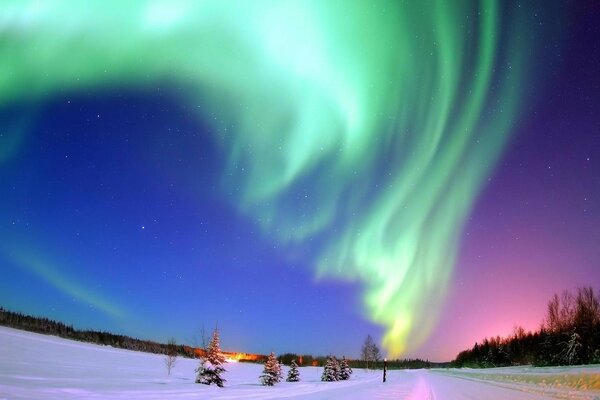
point(293, 373)
point(331, 370)
point(573, 348)
point(272, 371)
point(345, 370)
point(211, 364)
point(596, 357)
point(337, 369)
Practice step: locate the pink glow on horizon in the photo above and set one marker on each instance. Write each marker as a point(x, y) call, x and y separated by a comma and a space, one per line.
point(503, 279)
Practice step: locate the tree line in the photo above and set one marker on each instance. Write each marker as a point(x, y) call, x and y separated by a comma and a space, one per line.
point(51, 327)
point(568, 335)
point(370, 358)
point(304, 360)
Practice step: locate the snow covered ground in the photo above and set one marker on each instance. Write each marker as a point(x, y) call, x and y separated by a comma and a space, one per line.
point(34, 366)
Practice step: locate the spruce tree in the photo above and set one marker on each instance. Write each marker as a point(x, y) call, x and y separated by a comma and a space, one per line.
point(272, 371)
point(345, 370)
point(337, 369)
point(573, 349)
point(596, 357)
point(293, 373)
point(331, 370)
point(211, 364)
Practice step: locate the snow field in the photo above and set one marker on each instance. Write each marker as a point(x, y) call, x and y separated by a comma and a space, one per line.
point(34, 366)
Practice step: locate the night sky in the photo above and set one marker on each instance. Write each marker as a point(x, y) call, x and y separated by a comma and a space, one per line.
point(301, 174)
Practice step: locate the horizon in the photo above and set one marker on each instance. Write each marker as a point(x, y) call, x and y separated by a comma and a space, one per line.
point(302, 180)
point(225, 349)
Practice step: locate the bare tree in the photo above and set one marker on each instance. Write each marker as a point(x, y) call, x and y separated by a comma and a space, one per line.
point(203, 345)
point(553, 318)
point(567, 311)
point(370, 352)
point(171, 355)
point(587, 309)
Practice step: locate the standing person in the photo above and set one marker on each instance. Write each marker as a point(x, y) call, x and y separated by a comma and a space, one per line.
point(384, 368)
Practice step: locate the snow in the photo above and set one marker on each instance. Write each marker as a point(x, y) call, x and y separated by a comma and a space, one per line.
point(34, 366)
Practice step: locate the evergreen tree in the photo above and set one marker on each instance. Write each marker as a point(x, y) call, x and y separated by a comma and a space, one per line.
point(573, 349)
point(293, 373)
point(272, 371)
point(331, 370)
point(211, 364)
point(337, 369)
point(345, 370)
point(596, 357)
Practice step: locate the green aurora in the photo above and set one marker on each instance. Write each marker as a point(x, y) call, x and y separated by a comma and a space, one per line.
point(367, 126)
point(51, 274)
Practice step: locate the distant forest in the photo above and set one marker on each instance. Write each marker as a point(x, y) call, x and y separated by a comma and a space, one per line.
point(410, 363)
point(50, 327)
point(569, 335)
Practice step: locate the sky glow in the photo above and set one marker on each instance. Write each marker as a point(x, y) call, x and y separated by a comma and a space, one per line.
point(361, 132)
point(356, 137)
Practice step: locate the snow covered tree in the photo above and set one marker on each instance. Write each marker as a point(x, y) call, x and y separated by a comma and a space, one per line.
point(211, 363)
point(573, 349)
point(272, 371)
point(171, 355)
point(293, 373)
point(337, 369)
point(331, 372)
point(345, 370)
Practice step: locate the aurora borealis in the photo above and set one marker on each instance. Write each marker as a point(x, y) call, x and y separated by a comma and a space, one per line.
point(349, 139)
